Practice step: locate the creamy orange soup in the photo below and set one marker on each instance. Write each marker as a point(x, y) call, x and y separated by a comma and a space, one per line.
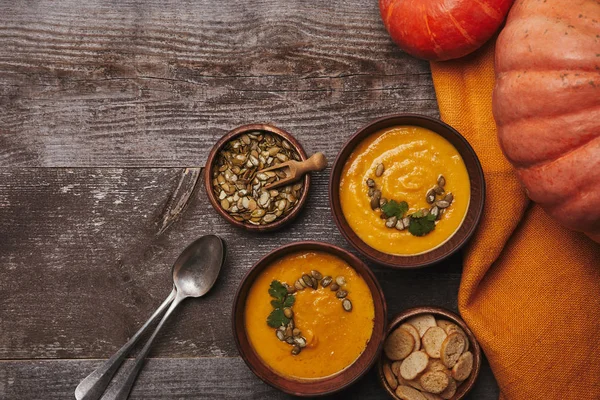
point(335, 338)
point(413, 158)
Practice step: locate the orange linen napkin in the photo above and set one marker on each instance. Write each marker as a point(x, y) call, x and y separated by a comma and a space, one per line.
point(530, 289)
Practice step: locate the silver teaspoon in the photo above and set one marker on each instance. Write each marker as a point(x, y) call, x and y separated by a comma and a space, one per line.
point(194, 273)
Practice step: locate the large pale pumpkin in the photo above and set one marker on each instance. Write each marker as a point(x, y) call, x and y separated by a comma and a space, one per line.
point(547, 106)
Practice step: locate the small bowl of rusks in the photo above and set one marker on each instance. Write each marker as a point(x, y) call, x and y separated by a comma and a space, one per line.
point(429, 354)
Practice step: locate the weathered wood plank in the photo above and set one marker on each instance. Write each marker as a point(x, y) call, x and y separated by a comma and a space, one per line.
point(202, 378)
point(83, 266)
point(155, 83)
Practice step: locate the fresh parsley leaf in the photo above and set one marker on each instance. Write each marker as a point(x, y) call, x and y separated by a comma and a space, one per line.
point(393, 208)
point(277, 290)
point(431, 217)
point(421, 225)
point(276, 304)
point(277, 318)
point(289, 301)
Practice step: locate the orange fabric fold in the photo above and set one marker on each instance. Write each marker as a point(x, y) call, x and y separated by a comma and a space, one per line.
point(530, 289)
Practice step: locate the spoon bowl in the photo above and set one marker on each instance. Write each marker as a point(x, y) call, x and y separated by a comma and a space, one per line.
point(192, 281)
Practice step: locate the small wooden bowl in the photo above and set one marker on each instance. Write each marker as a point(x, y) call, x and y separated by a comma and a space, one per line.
point(313, 387)
point(441, 313)
point(466, 229)
point(278, 223)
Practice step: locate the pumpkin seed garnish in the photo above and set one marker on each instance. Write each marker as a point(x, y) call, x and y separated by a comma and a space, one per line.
point(326, 281)
point(441, 181)
point(334, 287)
point(340, 294)
point(238, 185)
point(340, 280)
point(316, 274)
point(296, 350)
point(280, 335)
point(419, 223)
point(442, 203)
point(379, 170)
point(391, 222)
point(370, 183)
point(307, 280)
point(288, 312)
point(347, 304)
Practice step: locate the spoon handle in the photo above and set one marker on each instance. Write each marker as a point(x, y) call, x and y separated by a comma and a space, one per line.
point(93, 386)
point(123, 385)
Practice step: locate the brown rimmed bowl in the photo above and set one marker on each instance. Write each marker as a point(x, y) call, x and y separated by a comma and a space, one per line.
point(440, 313)
point(313, 387)
point(208, 170)
point(466, 229)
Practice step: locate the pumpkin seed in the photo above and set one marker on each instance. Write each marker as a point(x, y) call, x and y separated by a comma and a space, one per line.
point(442, 211)
point(280, 335)
point(316, 274)
point(300, 342)
point(347, 304)
point(371, 191)
point(441, 181)
point(438, 189)
point(296, 332)
point(382, 202)
point(304, 285)
point(435, 210)
point(400, 225)
point(370, 183)
point(225, 204)
point(296, 350)
point(340, 294)
point(269, 218)
point(298, 285)
point(379, 170)
point(424, 212)
point(289, 340)
point(334, 287)
point(326, 281)
point(375, 199)
point(391, 221)
point(340, 280)
point(449, 198)
point(406, 221)
point(291, 324)
point(307, 280)
point(288, 312)
point(442, 203)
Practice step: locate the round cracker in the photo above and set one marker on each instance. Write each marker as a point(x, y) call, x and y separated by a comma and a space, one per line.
point(452, 347)
point(414, 364)
point(415, 334)
point(396, 368)
point(389, 376)
point(408, 393)
point(434, 382)
point(432, 341)
point(463, 367)
point(399, 344)
point(450, 390)
point(431, 396)
point(451, 327)
point(422, 322)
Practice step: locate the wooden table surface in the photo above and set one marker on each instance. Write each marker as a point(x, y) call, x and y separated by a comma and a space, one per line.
point(107, 113)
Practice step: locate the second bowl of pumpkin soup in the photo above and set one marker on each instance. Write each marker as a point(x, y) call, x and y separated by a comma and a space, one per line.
point(309, 318)
point(407, 190)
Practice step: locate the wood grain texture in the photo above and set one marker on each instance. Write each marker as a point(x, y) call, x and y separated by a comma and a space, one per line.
point(173, 379)
point(155, 83)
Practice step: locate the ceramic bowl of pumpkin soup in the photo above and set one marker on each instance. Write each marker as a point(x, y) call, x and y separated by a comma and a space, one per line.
point(309, 319)
point(407, 191)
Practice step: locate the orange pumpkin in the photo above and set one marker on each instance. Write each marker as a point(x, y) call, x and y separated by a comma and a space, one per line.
point(547, 106)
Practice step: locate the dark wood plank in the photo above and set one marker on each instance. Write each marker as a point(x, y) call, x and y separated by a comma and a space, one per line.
point(155, 83)
point(84, 266)
point(202, 378)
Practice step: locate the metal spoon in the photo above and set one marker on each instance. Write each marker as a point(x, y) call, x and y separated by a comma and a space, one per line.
point(194, 273)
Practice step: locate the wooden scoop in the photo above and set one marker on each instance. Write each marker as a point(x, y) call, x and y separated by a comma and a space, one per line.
point(294, 170)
